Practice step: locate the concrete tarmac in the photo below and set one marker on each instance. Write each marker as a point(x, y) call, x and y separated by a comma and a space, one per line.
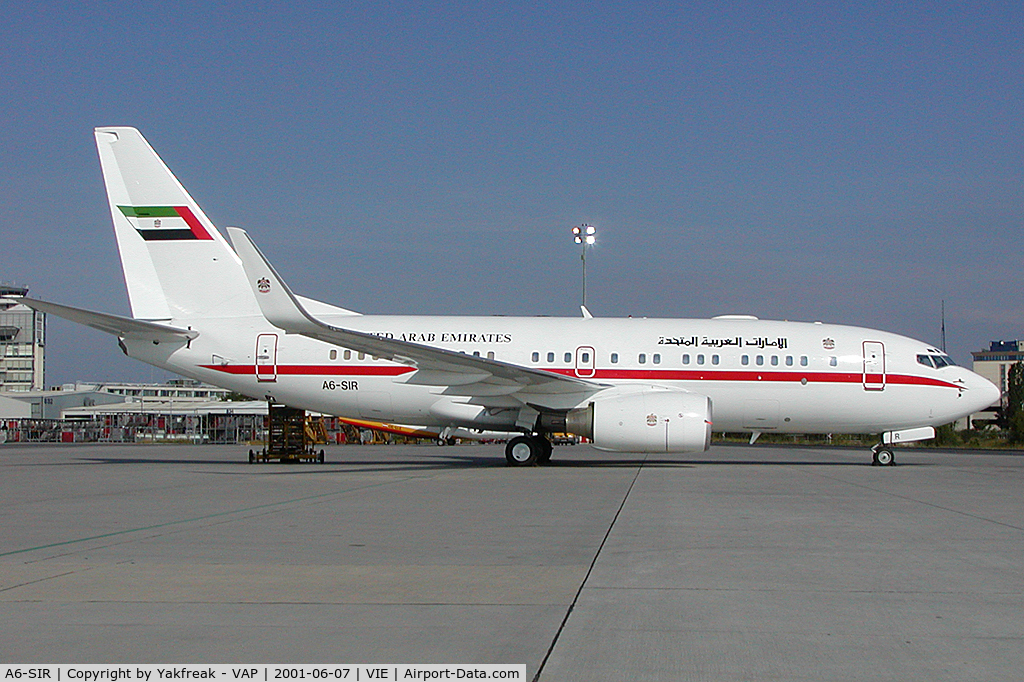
point(743, 563)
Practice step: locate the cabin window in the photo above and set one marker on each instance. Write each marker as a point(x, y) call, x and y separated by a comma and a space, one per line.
point(745, 360)
point(568, 357)
point(334, 354)
point(759, 359)
point(490, 355)
point(700, 359)
point(686, 358)
point(833, 361)
point(775, 361)
point(362, 356)
point(476, 353)
point(789, 361)
point(585, 357)
point(348, 355)
point(642, 359)
point(615, 358)
point(714, 359)
point(803, 360)
point(551, 357)
point(656, 358)
point(535, 357)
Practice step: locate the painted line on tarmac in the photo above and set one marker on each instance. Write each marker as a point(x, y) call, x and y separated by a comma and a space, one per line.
point(583, 583)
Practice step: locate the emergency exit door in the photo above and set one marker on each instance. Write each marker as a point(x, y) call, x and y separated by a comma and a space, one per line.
point(586, 363)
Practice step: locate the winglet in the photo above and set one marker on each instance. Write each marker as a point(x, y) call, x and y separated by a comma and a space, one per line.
point(586, 313)
point(277, 302)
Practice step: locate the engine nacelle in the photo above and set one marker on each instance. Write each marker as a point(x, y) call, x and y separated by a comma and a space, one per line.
point(644, 419)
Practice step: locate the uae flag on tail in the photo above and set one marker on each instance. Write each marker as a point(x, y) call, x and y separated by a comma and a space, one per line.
point(163, 223)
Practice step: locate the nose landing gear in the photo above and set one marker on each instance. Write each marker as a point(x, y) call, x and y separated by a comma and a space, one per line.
point(882, 455)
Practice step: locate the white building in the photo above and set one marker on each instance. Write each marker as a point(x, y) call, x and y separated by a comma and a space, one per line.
point(53, 403)
point(175, 390)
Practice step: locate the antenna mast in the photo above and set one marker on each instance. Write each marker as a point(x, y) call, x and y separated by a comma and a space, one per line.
point(943, 325)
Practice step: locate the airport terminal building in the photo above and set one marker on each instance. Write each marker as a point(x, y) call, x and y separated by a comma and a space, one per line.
point(22, 343)
point(994, 364)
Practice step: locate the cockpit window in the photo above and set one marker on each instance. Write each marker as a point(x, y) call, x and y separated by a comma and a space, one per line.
point(936, 361)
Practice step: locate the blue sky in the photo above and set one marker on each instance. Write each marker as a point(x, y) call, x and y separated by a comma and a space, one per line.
point(845, 162)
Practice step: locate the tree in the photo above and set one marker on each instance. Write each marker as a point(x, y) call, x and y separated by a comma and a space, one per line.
point(1013, 410)
point(947, 435)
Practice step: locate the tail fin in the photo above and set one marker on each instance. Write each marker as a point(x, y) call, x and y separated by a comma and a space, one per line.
point(176, 264)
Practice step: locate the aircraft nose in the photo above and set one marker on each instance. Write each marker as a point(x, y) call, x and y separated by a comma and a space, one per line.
point(983, 392)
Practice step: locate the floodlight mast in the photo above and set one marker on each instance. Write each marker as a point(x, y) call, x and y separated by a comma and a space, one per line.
point(585, 235)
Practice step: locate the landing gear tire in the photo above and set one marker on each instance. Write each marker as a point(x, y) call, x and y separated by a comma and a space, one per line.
point(522, 451)
point(545, 450)
point(440, 442)
point(883, 458)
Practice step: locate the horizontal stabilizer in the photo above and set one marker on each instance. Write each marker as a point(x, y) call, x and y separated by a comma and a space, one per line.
point(124, 327)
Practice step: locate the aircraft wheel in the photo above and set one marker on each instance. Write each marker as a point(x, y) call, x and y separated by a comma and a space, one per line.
point(884, 457)
point(545, 450)
point(320, 457)
point(522, 451)
point(440, 442)
point(252, 457)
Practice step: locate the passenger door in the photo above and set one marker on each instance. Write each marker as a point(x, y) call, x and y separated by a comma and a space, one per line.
point(266, 357)
point(874, 366)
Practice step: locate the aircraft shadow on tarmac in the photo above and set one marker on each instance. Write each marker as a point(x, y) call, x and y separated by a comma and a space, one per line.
point(452, 461)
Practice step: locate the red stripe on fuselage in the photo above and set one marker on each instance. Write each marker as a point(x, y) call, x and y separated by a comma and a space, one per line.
point(751, 375)
point(619, 374)
point(317, 370)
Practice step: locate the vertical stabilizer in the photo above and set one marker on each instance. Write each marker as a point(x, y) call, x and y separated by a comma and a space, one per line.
point(176, 264)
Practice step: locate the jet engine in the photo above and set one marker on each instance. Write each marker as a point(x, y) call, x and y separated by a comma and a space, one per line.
point(644, 419)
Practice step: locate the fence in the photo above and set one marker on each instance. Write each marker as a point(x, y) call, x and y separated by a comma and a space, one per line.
point(138, 428)
point(213, 429)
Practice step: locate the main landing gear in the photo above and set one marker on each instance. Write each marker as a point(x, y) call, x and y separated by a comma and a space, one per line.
point(882, 456)
point(524, 451)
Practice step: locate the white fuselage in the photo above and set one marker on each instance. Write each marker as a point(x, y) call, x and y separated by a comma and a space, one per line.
point(761, 375)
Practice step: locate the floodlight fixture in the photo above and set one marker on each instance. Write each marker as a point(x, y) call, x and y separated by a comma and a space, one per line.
point(585, 235)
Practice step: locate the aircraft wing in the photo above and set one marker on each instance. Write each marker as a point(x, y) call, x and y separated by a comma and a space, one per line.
point(460, 373)
point(123, 327)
